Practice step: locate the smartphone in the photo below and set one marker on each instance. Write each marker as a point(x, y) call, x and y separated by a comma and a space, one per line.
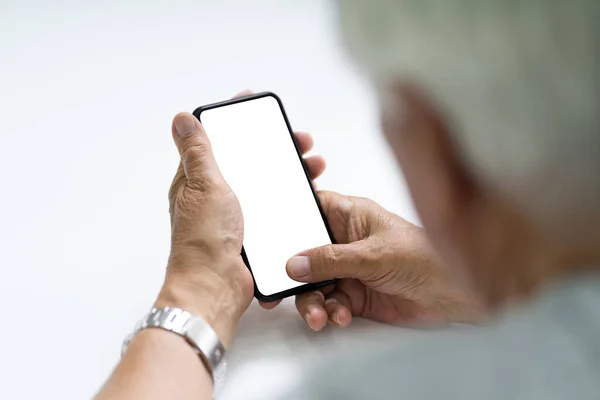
point(259, 157)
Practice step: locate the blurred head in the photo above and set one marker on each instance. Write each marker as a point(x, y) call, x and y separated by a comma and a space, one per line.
point(492, 109)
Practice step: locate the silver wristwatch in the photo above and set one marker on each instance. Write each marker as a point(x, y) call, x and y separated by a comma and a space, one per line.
point(194, 330)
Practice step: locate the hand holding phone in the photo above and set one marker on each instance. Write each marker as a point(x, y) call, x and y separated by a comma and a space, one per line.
point(260, 159)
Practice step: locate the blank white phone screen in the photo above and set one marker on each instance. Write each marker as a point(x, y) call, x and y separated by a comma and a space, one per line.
point(256, 155)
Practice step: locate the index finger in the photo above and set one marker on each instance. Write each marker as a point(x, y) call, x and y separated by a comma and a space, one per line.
point(305, 141)
point(311, 306)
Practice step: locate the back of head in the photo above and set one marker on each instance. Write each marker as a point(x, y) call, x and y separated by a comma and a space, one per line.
point(520, 83)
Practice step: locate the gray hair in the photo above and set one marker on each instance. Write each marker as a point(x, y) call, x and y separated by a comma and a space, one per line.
point(520, 81)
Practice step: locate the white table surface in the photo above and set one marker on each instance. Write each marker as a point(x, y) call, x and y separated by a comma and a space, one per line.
point(87, 94)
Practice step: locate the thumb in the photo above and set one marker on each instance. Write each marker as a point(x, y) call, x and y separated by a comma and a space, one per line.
point(331, 261)
point(197, 158)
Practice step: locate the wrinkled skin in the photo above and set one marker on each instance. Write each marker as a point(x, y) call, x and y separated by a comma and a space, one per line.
point(388, 272)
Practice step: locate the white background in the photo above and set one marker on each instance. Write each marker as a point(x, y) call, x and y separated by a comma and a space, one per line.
point(87, 94)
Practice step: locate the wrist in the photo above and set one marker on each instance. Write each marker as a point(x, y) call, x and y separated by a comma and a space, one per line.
point(204, 294)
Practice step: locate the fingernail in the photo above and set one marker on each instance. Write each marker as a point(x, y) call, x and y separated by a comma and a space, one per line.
point(336, 318)
point(307, 318)
point(299, 267)
point(185, 125)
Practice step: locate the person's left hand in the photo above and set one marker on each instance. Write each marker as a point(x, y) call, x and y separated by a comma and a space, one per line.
point(206, 274)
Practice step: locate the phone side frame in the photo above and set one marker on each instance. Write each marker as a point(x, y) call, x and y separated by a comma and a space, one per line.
point(308, 286)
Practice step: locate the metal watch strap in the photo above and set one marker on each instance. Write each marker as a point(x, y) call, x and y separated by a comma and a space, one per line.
point(194, 329)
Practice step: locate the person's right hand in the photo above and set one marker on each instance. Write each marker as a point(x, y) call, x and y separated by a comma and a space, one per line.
point(387, 270)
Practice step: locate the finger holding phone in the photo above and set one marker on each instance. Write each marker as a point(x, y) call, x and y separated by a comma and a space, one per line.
point(261, 160)
point(206, 273)
point(386, 271)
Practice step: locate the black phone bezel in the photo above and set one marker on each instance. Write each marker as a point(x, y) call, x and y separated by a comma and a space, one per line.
point(302, 288)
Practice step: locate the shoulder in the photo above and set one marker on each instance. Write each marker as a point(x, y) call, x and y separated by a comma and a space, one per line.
point(546, 351)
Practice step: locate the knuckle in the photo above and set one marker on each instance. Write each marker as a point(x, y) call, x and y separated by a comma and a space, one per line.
point(200, 171)
point(304, 301)
point(194, 196)
point(200, 187)
point(315, 297)
point(195, 151)
point(330, 259)
point(185, 204)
